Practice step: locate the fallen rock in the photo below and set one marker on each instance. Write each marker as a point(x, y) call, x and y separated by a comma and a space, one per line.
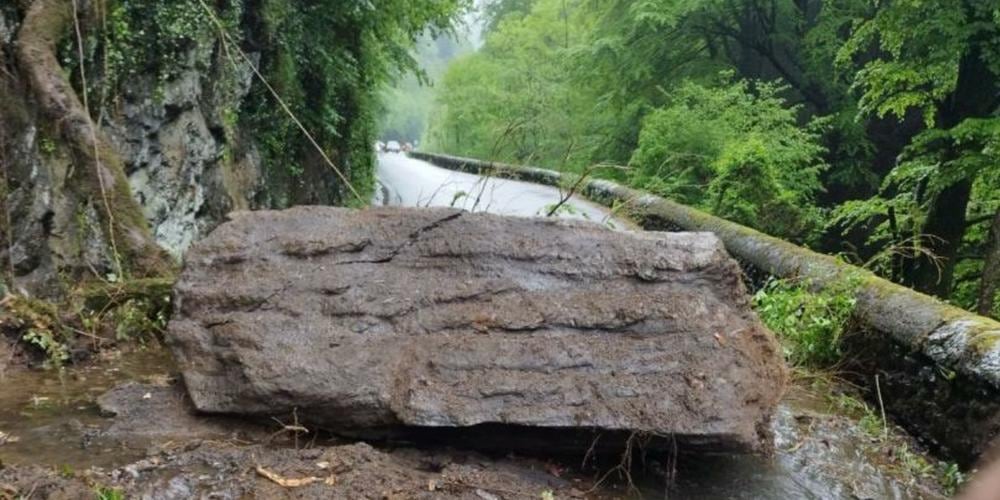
point(426, 321)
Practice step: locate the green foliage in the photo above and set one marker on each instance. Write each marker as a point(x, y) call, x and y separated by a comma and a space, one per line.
point(704, 146)
point(140, 316)
point(328, 61)
point(951, 477)
point(155, 36)
point(921, 44)
point(106, 493)
point(47, 146)
point(936, 160)
point(39, 325)
point(49, 342)
point(869, 419)
point(883, 113)
point(407, 105)
point(809, 323)
point(129, 310)
point(912, 463)
point(513, 100)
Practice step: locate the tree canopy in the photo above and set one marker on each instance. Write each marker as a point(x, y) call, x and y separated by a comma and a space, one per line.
point(859, 127)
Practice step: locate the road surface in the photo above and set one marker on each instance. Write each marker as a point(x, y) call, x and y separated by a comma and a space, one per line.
point(404, 181)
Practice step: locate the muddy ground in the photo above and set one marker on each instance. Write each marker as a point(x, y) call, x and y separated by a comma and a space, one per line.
point(225, 470)
point(121, 424)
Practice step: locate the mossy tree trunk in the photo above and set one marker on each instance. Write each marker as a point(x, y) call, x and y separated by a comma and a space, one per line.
point(98, 171)
point(990, 281)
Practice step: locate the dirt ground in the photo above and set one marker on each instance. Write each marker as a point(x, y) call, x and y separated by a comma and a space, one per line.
point(226, 470)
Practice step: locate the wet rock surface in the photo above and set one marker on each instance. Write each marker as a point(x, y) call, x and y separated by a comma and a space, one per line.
point(190, 456)
point(820, 454)
point(145, 413)
point(388, 320)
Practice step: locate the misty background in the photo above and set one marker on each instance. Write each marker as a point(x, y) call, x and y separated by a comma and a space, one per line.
point(409, 101)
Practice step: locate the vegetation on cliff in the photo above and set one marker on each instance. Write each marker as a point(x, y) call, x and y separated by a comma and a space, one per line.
point(129, 128)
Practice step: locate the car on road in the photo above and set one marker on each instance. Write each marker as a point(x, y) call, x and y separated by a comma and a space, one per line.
point(392, 147)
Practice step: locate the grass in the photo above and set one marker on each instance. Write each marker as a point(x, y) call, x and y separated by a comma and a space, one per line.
point(809, 323)
point(896, 447)
point(104, 493)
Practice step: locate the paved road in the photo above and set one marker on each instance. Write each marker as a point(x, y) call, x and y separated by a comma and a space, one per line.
point(404, 181)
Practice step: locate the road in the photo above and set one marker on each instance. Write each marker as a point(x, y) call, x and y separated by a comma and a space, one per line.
point(404, 181)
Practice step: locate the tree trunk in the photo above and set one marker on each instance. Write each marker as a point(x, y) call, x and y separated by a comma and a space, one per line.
point(945, 229)
point(946, 219)
point(99, 173)
point(990, 281)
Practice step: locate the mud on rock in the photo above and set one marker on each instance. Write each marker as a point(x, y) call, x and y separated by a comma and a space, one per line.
point(387, 321)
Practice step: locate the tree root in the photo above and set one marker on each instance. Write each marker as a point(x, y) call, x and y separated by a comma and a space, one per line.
point(100, 170)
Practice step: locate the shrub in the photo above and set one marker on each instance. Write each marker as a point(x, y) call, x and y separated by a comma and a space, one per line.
point(809, 323)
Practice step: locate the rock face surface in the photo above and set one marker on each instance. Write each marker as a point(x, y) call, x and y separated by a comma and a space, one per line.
point(431, 320)
point(186, 166)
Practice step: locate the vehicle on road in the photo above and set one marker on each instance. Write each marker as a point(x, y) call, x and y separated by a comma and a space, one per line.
point(392, 147)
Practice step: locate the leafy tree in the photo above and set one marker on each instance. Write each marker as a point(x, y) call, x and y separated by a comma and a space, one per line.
point(941, 60)
point(513, 100)
point(496, 11)
point(329, 59)
point(737, 151)
point(883, 112)
point(407, 105)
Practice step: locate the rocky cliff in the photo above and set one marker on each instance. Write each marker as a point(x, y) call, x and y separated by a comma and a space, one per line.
point(184, 165)
point(123, 125)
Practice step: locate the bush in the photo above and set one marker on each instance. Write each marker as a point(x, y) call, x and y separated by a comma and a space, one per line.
point(737, 150)
point(809, 323)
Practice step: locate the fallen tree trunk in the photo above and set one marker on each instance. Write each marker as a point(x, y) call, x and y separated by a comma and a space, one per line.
point(424, 321)
point(98, 172)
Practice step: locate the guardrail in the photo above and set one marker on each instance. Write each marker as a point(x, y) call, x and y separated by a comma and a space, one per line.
point(965, 347)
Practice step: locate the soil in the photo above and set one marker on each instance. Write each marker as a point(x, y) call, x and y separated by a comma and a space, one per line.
point(69, 446)
point(226, 470)
point(149, 443)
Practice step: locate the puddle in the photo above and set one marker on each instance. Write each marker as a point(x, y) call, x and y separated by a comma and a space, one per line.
point(51, 417)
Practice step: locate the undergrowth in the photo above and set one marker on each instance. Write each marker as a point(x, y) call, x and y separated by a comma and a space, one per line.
point(92, 315)
point(898, 451)
point(810, 322)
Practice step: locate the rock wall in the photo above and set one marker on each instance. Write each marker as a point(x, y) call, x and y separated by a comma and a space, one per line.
point(178, 152)
point(186, 159)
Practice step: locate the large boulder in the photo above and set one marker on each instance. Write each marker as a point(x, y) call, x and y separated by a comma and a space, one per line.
point(429, 321)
